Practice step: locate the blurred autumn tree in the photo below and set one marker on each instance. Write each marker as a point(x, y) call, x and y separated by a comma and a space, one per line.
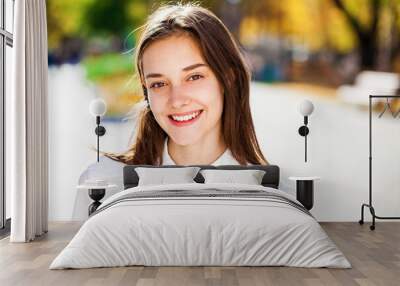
point(108, 17)
point(105, 18)
point(64, 19)
point(87, 19)
point(116, 19)
point(367, 28)
point(376, 26)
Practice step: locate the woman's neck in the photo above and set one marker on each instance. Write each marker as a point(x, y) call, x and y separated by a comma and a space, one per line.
point(204, 152)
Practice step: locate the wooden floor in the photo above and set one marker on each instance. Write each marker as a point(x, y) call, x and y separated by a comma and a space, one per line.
point(374, 255)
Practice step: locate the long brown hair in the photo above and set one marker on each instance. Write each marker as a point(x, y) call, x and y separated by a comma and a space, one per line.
point(223, 55)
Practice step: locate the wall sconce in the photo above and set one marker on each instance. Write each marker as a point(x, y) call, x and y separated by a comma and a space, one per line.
point(98, 108)
point(305, 108)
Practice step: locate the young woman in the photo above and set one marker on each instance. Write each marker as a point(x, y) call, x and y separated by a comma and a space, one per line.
point(196, 87)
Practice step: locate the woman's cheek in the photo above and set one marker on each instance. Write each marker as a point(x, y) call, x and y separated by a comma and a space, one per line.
point(214, 100)
point(205, 94)
point(157, 104)
point(158, 108)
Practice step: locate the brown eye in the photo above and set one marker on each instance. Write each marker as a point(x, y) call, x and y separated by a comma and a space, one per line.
point(195, 77)
point(157, 85)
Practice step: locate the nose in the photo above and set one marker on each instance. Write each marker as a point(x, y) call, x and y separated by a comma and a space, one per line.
point(178, 97)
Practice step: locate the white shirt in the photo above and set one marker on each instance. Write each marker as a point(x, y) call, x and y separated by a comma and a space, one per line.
point(225, 159)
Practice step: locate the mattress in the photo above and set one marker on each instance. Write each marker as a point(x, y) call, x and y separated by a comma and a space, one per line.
point(201, 225)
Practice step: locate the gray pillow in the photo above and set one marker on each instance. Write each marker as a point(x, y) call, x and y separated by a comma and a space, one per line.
point(161, 176)
point(248, 177)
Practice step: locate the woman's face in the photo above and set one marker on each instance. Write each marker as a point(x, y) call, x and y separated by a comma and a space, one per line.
point(184, 93)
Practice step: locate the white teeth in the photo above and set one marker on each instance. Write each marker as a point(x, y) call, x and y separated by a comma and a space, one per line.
point(186, 117)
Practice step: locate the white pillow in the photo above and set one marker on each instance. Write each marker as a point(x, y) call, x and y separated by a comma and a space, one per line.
point(160, 176)
point(248, 177)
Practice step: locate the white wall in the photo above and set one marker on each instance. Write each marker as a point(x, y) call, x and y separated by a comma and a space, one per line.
point(338, 152)
point(71, 136)
point(337, 148)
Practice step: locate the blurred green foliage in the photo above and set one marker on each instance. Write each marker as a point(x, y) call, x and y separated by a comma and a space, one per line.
point(338, 27)
point(100, 67)
point(318, 22)
point(93, 18)
point(110, 17)
point(64, 19)
point(101, 18)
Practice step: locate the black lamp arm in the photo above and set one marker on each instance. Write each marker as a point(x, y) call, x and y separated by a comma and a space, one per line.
point(100, 131)
point(303, 131)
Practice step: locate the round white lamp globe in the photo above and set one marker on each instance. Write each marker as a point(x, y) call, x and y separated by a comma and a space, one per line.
point(98, 107)
point(306, 107)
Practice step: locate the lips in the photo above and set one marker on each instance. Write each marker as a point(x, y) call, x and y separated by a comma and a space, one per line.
point(184, 119)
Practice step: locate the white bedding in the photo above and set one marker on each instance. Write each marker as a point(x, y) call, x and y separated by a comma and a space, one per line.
point(182, 231)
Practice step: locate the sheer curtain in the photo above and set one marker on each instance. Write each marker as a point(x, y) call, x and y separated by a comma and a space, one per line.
point(27, 125)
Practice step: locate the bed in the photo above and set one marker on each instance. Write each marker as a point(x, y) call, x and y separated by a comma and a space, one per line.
point(201, 224)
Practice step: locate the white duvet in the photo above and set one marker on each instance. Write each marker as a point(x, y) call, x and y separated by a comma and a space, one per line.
point(183, 231)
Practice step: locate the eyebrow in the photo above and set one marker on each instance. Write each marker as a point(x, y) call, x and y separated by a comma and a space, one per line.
point(188, 68)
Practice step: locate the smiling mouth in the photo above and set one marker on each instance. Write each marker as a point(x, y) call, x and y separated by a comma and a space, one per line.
point(186, 118)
